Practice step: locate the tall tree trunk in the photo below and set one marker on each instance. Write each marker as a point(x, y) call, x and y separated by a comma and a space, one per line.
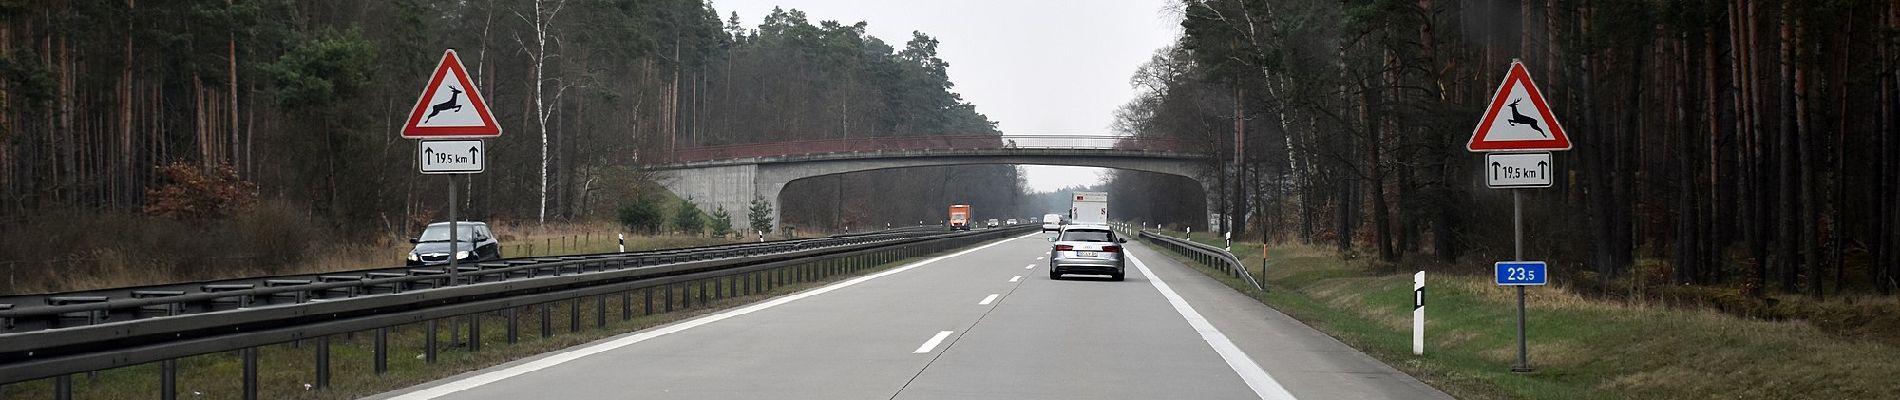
point(1711, 215)
point(1756, 197)
point(1887, 242)
point(1809, 226)
point(124, 183)
point(542, 24)
point(1787, 216)
point(232, 85)
point(1689, 242)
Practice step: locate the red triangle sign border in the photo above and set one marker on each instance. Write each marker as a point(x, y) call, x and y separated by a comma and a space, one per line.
point(1558, 141)
point(413, 128)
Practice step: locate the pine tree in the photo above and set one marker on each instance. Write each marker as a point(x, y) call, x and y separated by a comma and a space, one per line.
point(760, 215)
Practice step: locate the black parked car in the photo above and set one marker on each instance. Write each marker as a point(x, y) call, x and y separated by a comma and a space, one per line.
point(473, 243)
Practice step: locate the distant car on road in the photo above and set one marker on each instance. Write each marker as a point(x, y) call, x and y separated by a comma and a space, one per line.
point(1051, 222)
point(1086, 249)
point(992, 223)
point(1011, 221)
point(473, 242)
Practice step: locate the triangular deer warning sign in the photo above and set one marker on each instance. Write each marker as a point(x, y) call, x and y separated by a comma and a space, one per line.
point(450, 107)
point(1529, 124)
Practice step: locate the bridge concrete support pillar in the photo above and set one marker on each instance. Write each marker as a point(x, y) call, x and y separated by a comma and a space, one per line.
point(731, 186)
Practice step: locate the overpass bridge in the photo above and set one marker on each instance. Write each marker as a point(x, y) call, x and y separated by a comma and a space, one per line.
point(732, 176)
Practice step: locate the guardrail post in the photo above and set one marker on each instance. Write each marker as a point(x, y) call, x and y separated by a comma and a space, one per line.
point(514, 324)
point(648, 303)
point(382, 350)
point(574, 315)
point(547, 320)
point(250, 373)
point(323, 362)
point(63, 387)
point(703, 285)
point(626, 305)
point(600, 311)
point(428, 351)
point(455, 331)
point(669, 297)
point(168, 379)
point(474, 332)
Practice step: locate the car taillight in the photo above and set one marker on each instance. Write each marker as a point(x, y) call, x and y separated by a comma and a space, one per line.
point(1064, 247)
point(1111, 249)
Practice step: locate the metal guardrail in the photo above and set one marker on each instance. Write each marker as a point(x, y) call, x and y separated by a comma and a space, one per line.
point(27, 313)
point(1201, 253)
point(62, 351)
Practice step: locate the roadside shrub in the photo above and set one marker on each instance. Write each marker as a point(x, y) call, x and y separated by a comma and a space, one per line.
point(276, 234)
point(193, 191)
point(760, 215)
point(639, 215)
point(689, 219)
point(721, 222)
point(59, 250)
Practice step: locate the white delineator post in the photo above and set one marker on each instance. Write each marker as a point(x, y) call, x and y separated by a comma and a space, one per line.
point(1418, 313)
point(623, 241)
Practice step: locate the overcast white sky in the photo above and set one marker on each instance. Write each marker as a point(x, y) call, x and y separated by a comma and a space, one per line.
point(1036, 67)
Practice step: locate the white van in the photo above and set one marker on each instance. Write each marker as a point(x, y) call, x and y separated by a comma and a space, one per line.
point(1051, 222)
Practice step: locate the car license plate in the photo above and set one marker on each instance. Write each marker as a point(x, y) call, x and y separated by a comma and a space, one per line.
point(1085, 254)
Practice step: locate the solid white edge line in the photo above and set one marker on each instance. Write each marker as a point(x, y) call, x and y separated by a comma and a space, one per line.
point(474, 381)
point(987, 300)
point(932, 343)
point(1263, 385)
point(1016, 278)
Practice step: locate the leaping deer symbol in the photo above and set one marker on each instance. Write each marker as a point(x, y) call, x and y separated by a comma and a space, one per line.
point(451, 104)
point(1516, 118)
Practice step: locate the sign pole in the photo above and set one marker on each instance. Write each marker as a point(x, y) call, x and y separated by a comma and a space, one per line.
point(1517, 220)
point(453, 241)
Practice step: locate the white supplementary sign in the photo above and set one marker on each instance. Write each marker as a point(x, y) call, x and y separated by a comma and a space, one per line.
point(449, 156)
point(1518, 170)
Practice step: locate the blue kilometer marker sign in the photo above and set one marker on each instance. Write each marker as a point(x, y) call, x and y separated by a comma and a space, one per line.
point(1522, 273)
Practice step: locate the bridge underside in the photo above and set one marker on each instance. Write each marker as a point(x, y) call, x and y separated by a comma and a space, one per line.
point(734, 184)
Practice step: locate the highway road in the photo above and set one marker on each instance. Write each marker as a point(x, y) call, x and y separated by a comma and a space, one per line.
point(985, 323)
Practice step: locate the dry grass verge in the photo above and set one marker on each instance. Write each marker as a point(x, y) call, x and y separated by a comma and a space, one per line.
point(92, 250)
point(1582, 347)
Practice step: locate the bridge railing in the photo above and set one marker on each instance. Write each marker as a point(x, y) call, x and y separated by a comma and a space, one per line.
point(938, 142)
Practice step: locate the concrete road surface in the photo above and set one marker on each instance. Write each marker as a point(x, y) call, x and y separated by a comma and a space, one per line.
point(985, 323)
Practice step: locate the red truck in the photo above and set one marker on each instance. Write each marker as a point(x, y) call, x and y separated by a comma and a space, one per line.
point(960, 217)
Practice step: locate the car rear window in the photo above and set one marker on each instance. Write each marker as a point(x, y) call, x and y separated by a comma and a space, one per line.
point(1087, 236)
